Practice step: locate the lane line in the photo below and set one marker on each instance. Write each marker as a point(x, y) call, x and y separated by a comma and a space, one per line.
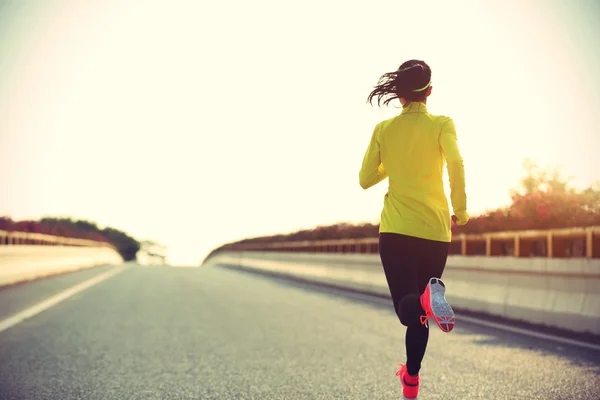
point(527, 332)
point(385, 300)
point(54, 300)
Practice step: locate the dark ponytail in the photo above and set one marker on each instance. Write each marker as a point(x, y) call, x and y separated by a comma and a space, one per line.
point(410, 81)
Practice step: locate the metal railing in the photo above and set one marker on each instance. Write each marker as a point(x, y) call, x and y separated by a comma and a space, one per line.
point(29, 238)
point(554, 243)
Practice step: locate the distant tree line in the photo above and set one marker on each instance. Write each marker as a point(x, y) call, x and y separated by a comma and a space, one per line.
point(80, 229)
point(544, 200)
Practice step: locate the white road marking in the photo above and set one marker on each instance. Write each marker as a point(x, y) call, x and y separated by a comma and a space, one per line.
point(54, 300)
point(526, 332)
point(310, 279)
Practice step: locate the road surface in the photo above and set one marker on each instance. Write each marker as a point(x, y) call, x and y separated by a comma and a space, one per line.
point(216, 333)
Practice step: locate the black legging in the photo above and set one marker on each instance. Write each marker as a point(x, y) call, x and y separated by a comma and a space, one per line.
point(409, 262)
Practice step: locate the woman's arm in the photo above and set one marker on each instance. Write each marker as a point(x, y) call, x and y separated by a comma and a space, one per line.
point(456, 172)
point(372, 171)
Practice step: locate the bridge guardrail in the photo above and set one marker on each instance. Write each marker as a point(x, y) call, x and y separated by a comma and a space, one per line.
point(31, 238)
point(554, 243)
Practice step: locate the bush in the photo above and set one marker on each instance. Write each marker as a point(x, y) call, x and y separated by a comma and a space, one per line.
point(79, 229)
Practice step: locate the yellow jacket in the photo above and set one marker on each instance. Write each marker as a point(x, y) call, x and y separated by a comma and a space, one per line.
point(411, 149)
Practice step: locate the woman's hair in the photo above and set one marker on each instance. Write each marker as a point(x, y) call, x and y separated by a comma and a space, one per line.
point(410, 81)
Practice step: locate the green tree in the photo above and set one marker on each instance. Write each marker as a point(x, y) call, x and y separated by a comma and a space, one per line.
point(545, 200)
point(127, 246)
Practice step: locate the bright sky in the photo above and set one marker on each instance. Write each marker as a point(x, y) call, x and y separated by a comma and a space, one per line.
point(195, 123)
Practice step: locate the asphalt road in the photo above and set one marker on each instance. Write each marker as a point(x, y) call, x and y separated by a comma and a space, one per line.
point(215, 333)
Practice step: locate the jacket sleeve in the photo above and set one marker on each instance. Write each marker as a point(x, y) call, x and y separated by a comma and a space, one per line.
point(372, 171)
point(456, 171)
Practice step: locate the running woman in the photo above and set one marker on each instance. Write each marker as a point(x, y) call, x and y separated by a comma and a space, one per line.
point(415, 229)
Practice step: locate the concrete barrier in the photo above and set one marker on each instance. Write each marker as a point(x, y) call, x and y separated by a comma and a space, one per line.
point(21, 263)
point(561, 293)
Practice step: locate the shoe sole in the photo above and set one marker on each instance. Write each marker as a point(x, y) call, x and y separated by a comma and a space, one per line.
point(439, 306)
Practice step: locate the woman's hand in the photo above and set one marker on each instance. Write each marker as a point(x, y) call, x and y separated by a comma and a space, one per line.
point(456, 221)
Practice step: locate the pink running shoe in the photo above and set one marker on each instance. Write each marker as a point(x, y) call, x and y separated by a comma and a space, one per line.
point(435, 305)
point(410, 384)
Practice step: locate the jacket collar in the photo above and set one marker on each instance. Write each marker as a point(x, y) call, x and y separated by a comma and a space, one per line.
point(414, 107)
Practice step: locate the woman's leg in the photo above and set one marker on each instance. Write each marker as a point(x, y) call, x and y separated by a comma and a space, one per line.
point(408, 264)
point(432, 261)
point(417, 336)
point(400, 263)
point(400, 256)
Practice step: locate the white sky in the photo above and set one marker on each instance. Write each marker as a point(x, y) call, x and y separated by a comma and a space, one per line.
point(197, 123)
